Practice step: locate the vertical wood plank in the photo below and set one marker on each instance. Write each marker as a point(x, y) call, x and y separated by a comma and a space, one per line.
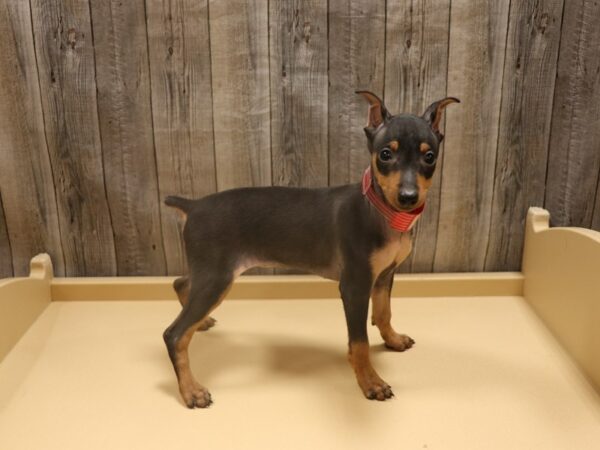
point(124, 98)
point(356, 62)
point(182, 110)
point(240, 81)
point(6, 267)
point(298, 86)
point(298, 49)
point(476, 60)
point(526, 112)
point(596, 215)
point(64, 48)
point(416, 70)
point(25, 173)
point(574, 156)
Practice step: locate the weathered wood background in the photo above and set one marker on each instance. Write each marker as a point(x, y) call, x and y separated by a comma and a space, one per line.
point(106, 106)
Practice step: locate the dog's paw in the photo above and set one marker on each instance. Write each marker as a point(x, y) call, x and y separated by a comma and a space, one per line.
point(399, 342)
point(373, 386)
point(196, 396)
point(207, 323)
point(378, 390)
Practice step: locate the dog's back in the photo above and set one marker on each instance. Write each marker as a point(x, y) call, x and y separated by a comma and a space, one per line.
point(267, 227)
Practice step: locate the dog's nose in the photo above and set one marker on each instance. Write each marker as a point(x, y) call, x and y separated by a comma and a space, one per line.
point(408, 197)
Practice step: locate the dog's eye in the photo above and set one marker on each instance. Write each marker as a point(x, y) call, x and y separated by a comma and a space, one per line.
point(385, 155)
point(429, 157)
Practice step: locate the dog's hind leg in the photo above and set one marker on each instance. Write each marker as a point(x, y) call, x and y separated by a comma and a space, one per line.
point(182, 288)
point(205, 294)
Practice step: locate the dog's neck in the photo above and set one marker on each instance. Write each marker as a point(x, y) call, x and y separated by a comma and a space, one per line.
point(397, 220)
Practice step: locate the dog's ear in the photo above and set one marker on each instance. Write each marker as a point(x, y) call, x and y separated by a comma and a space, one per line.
point(378, 113)
point(433, 115)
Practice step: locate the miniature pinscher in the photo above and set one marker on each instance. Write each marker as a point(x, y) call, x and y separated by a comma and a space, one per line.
point(356, 234)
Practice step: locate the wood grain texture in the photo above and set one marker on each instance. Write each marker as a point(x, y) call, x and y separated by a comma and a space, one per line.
point(475, 67)
point(142, 99)
point(179, 52)
point(26, 181)
point(240, 81)
point(65, 56)
point(239, 49)
point(298, 85)
point(356, 62)
point(525, 116)
point(123, 83)
point(416, 68)
point(6, 267)
point(596, 216)
point(574, 155)
point(298, 81)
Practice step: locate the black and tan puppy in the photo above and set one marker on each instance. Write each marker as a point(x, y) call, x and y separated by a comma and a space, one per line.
point(357, 234)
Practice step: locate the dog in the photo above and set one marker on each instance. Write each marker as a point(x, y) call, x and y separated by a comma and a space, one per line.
point(355, 234)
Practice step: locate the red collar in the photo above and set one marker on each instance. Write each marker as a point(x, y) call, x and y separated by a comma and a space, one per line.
point(398, 220)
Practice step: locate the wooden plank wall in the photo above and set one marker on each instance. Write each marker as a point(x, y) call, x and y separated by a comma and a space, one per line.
point(26, 176)
point(65, 63)
point(416, 73)
point(108, 106)
point(574, 155)
point(126, 129)
point(182, 114)
point(524, 128)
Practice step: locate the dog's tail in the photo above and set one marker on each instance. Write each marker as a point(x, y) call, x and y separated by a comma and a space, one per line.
point(183, 204)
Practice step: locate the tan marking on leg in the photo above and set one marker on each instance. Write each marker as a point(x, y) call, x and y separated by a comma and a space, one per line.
point(182, 288)
point(382, 316)
point(373, 387)
point(192, 392)
point(206, 324)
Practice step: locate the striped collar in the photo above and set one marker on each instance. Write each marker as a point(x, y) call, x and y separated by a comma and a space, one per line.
point(397, 220)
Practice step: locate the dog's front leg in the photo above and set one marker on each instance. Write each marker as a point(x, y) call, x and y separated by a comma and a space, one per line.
point(355, 287)
point(382, 313)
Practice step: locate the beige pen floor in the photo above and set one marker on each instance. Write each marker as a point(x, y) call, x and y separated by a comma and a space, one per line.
point(484, 374)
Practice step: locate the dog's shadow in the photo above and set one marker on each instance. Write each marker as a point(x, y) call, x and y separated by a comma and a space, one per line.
point(215, 354)
point(241, 361)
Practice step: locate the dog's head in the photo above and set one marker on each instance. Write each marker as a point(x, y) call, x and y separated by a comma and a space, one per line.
point(404, 151)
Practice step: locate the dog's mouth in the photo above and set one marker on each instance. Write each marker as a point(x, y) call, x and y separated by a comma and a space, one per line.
point(399, 207)
point(407, 209)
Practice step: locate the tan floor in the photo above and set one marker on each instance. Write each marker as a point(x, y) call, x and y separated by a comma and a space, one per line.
point(484, 374)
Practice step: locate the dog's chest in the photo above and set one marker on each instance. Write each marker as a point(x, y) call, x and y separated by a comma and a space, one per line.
point(395, 250)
